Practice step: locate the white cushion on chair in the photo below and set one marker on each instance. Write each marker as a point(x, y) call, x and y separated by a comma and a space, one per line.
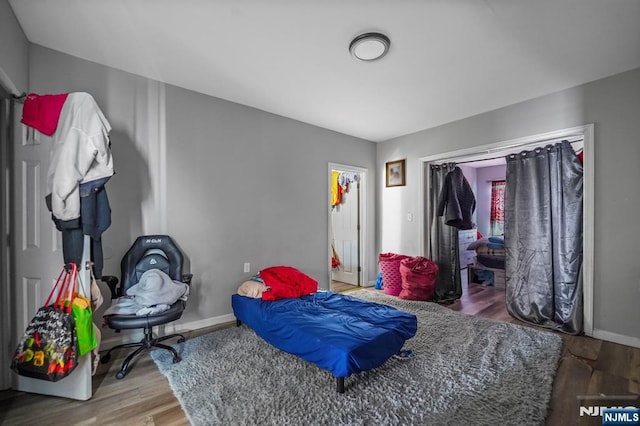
point(156, 287)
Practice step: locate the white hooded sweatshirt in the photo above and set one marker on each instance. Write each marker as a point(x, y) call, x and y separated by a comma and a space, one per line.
point(80, 153)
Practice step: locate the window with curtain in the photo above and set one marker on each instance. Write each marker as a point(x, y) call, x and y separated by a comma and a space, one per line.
point(496, 219)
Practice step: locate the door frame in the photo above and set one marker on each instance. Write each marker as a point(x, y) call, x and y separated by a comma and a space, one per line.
point(483, 152)
point(362, 218)
point(6, 184)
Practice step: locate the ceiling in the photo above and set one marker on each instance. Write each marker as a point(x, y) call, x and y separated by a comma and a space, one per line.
point(449, 59)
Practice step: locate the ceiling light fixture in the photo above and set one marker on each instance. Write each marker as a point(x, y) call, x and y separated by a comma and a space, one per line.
point(370, 46)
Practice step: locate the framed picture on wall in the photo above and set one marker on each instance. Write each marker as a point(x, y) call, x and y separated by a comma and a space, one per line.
point(395, 173)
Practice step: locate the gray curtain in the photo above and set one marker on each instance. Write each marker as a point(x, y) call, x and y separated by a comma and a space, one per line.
point(543, 237)
point(443, 241)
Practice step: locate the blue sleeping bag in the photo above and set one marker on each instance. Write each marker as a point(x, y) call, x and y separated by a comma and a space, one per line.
point(339, 333)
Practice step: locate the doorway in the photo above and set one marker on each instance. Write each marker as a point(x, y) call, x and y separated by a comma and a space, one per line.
point(501, 149)
point(346, 226)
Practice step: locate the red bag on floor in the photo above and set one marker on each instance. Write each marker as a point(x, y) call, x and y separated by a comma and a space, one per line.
point(418, 278)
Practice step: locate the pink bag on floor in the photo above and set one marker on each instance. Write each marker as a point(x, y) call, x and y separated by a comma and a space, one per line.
point(390, 268)
point(418, 278)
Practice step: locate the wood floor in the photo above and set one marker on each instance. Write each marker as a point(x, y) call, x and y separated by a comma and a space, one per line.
point(340, 287)
point(588, 367)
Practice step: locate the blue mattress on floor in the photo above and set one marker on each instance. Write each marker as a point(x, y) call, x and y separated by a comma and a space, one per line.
point(339, 333)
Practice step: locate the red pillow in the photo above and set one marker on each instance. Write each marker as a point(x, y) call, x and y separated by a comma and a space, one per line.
point(286, 282)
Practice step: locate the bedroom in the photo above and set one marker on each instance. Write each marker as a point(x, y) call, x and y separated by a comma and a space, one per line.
point(481, 175)
point(272, 170)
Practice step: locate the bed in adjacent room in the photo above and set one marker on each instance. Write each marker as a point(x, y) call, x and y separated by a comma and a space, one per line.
point(488, 267)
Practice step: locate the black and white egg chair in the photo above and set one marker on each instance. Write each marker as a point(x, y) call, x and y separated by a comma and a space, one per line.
point(147, 252)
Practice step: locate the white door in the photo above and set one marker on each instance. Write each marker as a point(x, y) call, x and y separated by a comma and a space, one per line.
point(37, 252)
point(344, 219)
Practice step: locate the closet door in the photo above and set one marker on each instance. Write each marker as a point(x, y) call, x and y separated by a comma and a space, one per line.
point(37, 251)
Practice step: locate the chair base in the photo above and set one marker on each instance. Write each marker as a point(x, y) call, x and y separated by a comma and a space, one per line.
point(148, 342)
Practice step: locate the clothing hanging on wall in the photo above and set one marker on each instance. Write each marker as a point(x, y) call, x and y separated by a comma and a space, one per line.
point(95, 218)
point(443, 241)
point(340, 184)
point(42, 112)
point(457, 201)
point(345, 179)
point(336, 193)
point(80, 164)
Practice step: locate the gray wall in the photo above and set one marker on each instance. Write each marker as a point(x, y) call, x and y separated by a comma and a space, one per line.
point(14, 48)
point(242, 185)
point(247, 186)
point(613, 105)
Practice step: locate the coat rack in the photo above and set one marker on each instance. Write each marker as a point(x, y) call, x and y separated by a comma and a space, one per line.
point(65, 111)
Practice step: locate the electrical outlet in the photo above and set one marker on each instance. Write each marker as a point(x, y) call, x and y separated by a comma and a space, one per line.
point(247, 267)
point(409, 217)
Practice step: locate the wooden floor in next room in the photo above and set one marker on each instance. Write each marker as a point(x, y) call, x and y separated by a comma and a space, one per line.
point(587, 367)
point(340, 287)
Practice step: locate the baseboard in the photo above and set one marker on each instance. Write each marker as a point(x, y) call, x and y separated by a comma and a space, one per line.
point(616, 338)
point(174, 327)
point(177, 327)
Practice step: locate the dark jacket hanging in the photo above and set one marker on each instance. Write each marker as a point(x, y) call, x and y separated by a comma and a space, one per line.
point(457, 202)
point(95, 218)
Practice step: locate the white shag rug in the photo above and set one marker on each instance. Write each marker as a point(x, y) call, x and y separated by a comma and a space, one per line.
point(466, 371)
